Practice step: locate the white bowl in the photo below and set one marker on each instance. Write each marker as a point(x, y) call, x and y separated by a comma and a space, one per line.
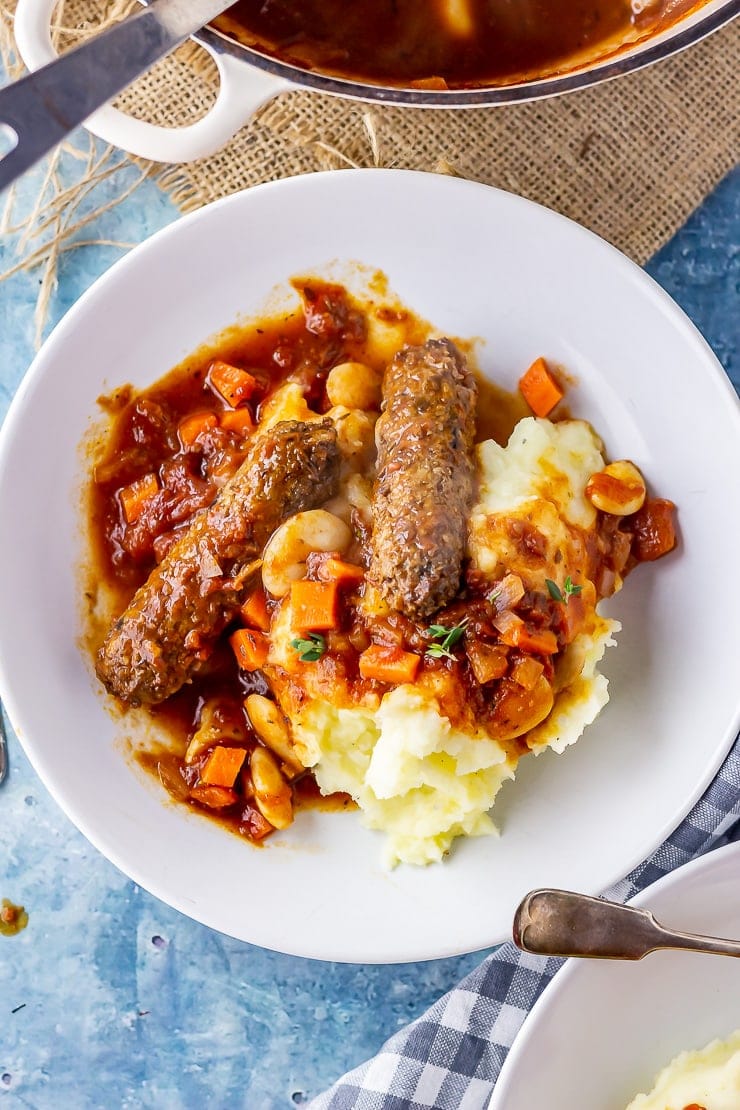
point(476, 262)
point(602, 1030)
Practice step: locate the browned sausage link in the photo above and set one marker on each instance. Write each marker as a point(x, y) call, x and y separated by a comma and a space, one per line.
point(424, 486)
point(187, 601)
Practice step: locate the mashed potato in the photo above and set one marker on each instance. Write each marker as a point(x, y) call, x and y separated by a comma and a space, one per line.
point(415, 775)
point(708, 1078)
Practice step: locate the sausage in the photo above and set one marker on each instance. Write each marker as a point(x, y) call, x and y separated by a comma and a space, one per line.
point(175, 618)
point(424, 486)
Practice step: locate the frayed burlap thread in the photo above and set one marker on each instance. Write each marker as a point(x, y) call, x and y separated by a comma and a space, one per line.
point(630, 159)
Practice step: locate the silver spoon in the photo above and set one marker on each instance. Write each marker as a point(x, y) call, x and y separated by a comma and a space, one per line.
point(560, 923)
point(3, 747)
point(38, 111)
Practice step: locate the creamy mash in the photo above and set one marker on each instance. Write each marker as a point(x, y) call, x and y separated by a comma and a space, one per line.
point(415, 775)
point(707, 1079)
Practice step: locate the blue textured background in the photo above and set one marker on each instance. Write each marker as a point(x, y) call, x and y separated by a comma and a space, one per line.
point(110, 999)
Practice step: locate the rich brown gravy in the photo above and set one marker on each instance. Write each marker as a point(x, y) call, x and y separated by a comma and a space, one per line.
point(438, 43)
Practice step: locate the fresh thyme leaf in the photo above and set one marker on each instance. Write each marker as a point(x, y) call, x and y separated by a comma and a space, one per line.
point(448, 636)
point(568, 591)
point(311, 649)
point(554, 590)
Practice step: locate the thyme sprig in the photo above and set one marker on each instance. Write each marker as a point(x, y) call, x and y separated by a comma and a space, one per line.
point(310, 649)
point(568, 591)
point(447, 638)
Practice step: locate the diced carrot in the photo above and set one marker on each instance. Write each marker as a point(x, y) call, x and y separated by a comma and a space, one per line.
point(194, 425)
point(237, 420)
point(539, 388)
point(508, 625)
point(542, 642)
point(222, 766)
point(215, 797)
point(134, 497)
point(314, 605)
point(233, 384)
point(514, 632)
point(250, 648)
point(389, 664)
point(254, 610)
point(336, 570)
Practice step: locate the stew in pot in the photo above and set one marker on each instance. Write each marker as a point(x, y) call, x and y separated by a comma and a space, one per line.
point(440, 44)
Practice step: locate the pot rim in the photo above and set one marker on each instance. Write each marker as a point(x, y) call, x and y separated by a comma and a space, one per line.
point(584, 77)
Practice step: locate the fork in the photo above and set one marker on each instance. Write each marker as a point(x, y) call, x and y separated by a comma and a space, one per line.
point(3, 747)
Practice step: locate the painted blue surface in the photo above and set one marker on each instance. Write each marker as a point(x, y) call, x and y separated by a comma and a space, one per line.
point(110, 999)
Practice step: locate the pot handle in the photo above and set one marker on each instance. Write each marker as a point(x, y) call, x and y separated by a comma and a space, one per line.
point(243, 89)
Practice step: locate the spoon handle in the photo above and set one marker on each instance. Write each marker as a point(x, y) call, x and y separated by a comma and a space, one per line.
point(561, 923)
point(38, 111)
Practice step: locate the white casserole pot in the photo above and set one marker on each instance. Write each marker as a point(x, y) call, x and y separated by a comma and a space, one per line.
point(249, 79)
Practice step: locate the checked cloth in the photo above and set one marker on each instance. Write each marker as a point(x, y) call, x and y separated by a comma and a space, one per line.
point(450, 1057)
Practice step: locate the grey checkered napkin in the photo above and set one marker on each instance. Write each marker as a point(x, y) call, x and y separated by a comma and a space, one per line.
point(450, 1057)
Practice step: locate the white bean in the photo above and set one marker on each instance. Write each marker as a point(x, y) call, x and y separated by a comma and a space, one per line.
point(213, 725)
point(286, 403)
point(273, 730)
point(272, 794)
point(339, 506)
point(618, 489)
point(354, 385)
point(284, 559)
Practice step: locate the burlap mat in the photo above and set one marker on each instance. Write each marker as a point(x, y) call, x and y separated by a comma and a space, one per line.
point(630, 159)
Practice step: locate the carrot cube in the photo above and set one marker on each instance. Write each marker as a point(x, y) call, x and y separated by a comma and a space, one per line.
point(336, 570)
point(250, 648)
point(514, 632)
point(237, 420)
point(543, 642)
point(314, 605)
point(539, 388)
point(222, 766)
point(134, 497)
point(389, 664)
point(215, 797)
point(231, 383)
point(195, 425)
point(254, 610)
